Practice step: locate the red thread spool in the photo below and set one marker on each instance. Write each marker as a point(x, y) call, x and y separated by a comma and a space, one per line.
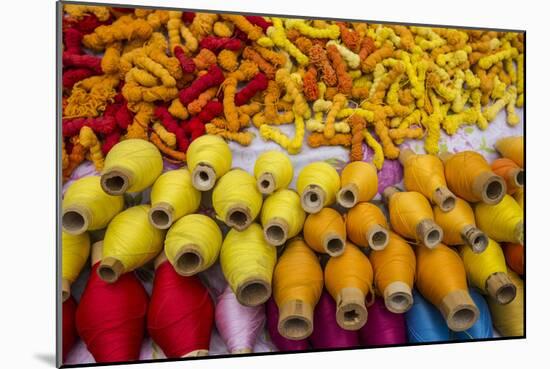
point(69, 334)
point(214, 77)
point(110, 318)
point(256, 84)
point(514, 254)
point(217, 44)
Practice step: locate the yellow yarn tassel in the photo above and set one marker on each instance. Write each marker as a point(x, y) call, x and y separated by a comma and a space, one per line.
point(282, 216)
point(273, 171)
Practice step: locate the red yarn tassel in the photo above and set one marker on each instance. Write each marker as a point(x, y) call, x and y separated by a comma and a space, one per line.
point(187, 63)
point(171, 125)
point(194, 128)
point(72, 39)
point(256, 84)
point(74, 75)
point(83, 61)
point(211, 110)
point(110, 140)
point(259, 21)
point(217, 44)
point(187, 17)
point(214, 77)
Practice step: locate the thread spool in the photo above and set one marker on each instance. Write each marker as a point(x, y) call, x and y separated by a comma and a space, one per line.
point(130, 242)
point(87, 207)
point(282, 216)
point(412, 217)
point(69, 334)
point(511, 172)
point(247, 262)
point(348, 278)
point(131, 165)
point(208, 159)
point(519, 196)
point(172, 197)
point(425, 174)
point(469, 176)
point(317, 185)
point(111, 317)
point(511, 148)
point(459, 227)
point(193, 244)
point(483, 328)
point(297, 287)
point(327, 334)
point(425, 323)
point(394, 269)
point(367, 226)
point(441, 278)
point(273, 171)
point(502, 222)
point(236, 199)
point(487, 272)
point(359, 184)
point(325, 232)
point(508, 319)
point(514, 253)
point(181, 313)
point(75, 250)
point(282, 343)
point(383, 327)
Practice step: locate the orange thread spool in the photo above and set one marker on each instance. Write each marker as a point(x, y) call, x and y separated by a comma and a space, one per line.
point(359, 182)
point(412, 217)
point(511, 172)
point(459, 226)
point(325, 232)
point(425, 174)
point(470, 177)
point(511, 148)
point(515, 256)
point(394, 268)
point(441, 279)
point(297, 287)
point(348, 279)
point(367, 226)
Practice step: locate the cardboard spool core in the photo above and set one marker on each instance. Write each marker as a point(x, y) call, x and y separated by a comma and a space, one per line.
point(116, 181)
point(444, 199)
point(276, 231)
point(475, 238)
point(519, 232)
point(203, 177)
point(347, 196)
point(189, 260)
point(378, 237)
point(266, 183)
point(238, 216)
point(75, 220)
point(351, 313)
point(518, 177)
point(429, 233)
point(110, 269)
point(313, 199)
point(501, 288)
point(253, 292)
point(295, 320)
point(65, 289)
point(242, 351)
point(196, 353)
point(388, 193)
point(404, 155)
point(459, 311)
point(398, 297)
point(489, 187)
point(161, 215)
point(334, 244)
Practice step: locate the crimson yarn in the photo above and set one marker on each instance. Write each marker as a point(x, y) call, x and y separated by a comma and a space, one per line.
point(110, 317)
point(69, 335)
point(109, 141)
point(259, 21)
point(181, 313)
point(91, 62)
point(211, 110)
point(171, 124)
point(187, 63)
point(187, 17)
point(213, 77)
point(74, 75)
point(217, 44)
point(282, 343)
point(257, 83)
point(383, 327)
point(72, 39)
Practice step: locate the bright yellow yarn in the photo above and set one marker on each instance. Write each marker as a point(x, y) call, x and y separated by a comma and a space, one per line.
point(508, 319)
point(246, 256)
point(86, 195)
point(479, 267)
point(320, 174)
point(236, 188)
point(75, 251)
point(284, 205)
point(139, 158)
point(210, 150)
point(276, 164)
point(175, 188)
point(502, 222)
point(196, 230)
point(131, 239)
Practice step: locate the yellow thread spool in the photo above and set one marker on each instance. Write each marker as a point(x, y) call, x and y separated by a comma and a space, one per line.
point(236, 199)
point(459, 226)
point(130, 242)
point(247, 262)
point(487, 272)
point(508, 319)
point(282, 216)
point(325, 232)
point(511, 148)
point(273, 171)
point(193, 244)
point(367, 226)
point(75, 250)
point(87, 207)
point(359, 182)
point(412, 217)
point(502, 222)
point(172, 197)
point(208, 158)
point(520, 197)
point(317, 186)
point(131, 166)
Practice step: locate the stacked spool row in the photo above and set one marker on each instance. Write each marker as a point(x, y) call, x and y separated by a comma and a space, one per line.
point(306, 254)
